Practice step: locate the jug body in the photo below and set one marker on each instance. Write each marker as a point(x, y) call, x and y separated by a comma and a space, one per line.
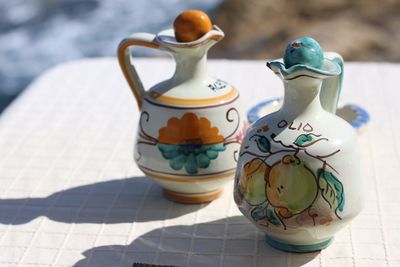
point(299, 180)
point(190, 150)
point(299, 177)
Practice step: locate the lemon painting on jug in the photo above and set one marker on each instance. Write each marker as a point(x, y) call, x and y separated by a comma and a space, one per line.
point(276, 187)
point(191, 142)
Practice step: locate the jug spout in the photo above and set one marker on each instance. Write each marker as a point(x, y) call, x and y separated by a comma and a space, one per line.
point(168, 42)
point(190, 57)
point(330, 83)
point(305, 58)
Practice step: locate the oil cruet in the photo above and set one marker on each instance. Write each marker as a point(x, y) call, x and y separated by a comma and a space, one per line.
point(298, 175)
point(191, 125)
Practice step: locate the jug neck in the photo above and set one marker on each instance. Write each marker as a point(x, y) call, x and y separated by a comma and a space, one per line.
point(301, 97)
point(190, 68)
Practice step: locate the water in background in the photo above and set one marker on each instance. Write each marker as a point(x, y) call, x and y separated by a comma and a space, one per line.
point(37, 34)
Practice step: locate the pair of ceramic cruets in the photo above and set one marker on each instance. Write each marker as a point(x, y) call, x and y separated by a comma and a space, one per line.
point(296, 170)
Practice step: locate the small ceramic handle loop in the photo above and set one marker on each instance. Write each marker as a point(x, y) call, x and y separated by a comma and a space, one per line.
point(332, 87)
point(125, 58)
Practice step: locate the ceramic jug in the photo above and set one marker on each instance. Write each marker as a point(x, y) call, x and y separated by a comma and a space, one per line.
point(191, 125)
point(298, 175)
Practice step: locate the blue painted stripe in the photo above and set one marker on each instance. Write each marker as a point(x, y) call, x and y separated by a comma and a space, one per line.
point(297, 248)
point(363, 116)
point(254, 112)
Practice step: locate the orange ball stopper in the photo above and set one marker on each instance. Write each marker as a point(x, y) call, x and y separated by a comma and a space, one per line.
point(190, 25)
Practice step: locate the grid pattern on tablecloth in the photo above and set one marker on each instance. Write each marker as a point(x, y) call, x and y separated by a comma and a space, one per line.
point(71, 195)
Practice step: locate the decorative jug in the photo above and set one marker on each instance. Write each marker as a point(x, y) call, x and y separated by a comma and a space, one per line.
point(191, 125)
point(298, 175)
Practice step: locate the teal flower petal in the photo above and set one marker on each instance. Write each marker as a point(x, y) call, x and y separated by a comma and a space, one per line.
point(211, 154)
point(186, 150)
point(201, 149)
point(218, 147)
point(178, 162)
point(166, 148)
point(191, 164)
point(203, 161)
point(170, 154)
point(169, 151)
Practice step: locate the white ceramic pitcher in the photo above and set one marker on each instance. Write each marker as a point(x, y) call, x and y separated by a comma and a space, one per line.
point(191, 125)
point(298, 176)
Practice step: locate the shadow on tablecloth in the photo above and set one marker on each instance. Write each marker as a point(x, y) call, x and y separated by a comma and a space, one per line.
point(135, 199)
point(232, 241)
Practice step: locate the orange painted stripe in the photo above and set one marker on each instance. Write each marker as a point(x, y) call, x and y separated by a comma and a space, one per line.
point(189, 179)
point(195, 101)
point(192, 198)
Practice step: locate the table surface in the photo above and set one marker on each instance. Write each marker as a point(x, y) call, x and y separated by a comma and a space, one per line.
point(71, 195)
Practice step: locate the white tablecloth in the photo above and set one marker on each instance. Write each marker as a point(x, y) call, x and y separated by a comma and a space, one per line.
point(72, 196)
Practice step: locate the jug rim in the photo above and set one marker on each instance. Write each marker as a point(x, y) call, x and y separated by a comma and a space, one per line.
point(329, 68)
point(167, 38)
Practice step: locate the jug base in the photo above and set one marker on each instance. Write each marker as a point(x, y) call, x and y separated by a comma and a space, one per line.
point(297, 248)
point(186, 198)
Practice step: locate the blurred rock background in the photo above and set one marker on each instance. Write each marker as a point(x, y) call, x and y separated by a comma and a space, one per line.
point(38, 34)
point(359, 30)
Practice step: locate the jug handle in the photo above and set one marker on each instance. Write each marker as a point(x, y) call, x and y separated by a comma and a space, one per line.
point(125, 58)
point(331, 87)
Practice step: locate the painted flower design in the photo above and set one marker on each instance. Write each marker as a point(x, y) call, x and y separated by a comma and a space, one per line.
point(190, 142)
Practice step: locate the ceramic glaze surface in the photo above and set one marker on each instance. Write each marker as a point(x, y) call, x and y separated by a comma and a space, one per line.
point(191, 125)
point(304, 51)
point(354, 114)
point(190, 25)
point(298, 176)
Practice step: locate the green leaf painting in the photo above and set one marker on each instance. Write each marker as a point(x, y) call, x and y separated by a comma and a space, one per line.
point(266, 212)
point(263, 143)
point(258, 213)
point(272, 217)
point(331, 189)
point(303, 139)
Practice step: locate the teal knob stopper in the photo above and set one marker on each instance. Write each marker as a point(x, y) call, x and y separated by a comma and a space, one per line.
point(305, 51)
